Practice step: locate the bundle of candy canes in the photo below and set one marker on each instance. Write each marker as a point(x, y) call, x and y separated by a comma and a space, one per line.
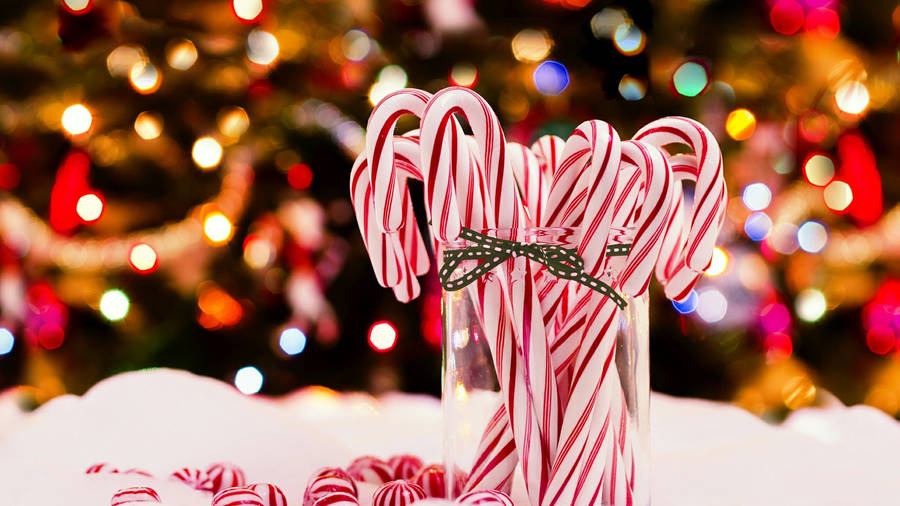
point(563, 420)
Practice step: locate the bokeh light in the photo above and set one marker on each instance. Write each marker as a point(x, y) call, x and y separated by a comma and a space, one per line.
point(181, 54)
point(838, 195)
point(120, 60)
point(786, 17)
point(89, 207)
point(148, 125)
point(259, 252)
point(551, 78)
point(143, 258)
point(531, 46)
point(356, 45)
point(783, 238)
point(774, 317)
point(757, 226)
point(217, 228)
point(7, 341)
point(756, 196)
point(880, 339)
point(812, 236)
point(823, 23)
point(818, 169)
point(852, 97)
point(810, 304)
point(711, 305)
point(233, 121)
point(76, 119)
point(778, 346)
point(382, 336)
point(248, 380)
point(292, 341)
point(740, 124)
point(217, 307)
point(463, 74)
point(718, 263)
point(247, 10)
point(114, 305)
point(207, 152)
point(629, 39)
point(262, 47)
point(632, 88)
point(144, 77)
point(689, 304)
point(77, 6)
point(605, 22)
point(690, 79)
point(300, 176)
point(391, 78)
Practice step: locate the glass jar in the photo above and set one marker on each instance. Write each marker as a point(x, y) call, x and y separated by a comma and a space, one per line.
point(473, 400)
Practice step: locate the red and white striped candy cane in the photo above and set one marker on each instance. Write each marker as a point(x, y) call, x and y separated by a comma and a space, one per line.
point(270, 494)
point(134, 495)
point(710, 193)
point(237, 496)
point(496, 456)
point(397, 493)
point(548, 151)
point(223, 475)
point(530, 180)
point(405, 467)
point(485, 498)
point(194, 478)
point(337, 499)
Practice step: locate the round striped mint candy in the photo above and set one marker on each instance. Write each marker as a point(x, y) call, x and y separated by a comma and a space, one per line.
point(270, 494)
point(223, 475)
point(102, 467)
point(325, 485)
point(194, 478)
point(432, 479)
point(134, 495)
point(398, 493)
point(237, 496)
point(485, 498)
point(370, 469)
point(333, 471)
point(139, 472)
point(405, 467)
point(337, 499)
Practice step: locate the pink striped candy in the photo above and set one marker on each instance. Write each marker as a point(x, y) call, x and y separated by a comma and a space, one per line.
point(370, 469)
point(194, 478)
point(237, 496)
point(139, 472)
point(405, 467)
point(485, 498)
point(270, 494)
point(325, 485)
point(102, 467)
point(398, 493)
point(223, 475)
point(337, 499)
point(134, 495)
point(333, 471)
point(432, 479)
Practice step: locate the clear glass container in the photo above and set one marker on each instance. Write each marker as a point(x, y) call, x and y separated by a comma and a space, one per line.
point(473, 401)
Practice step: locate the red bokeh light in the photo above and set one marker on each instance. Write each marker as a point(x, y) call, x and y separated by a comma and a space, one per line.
point(880, 339)
point(786, 17)
point(823, 23)
point(774, 317)
point(50, 336)
point(300, 176)
point(859, 170)
point(778, 346)
point(9, 176)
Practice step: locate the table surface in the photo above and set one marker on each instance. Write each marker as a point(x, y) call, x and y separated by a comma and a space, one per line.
point(703, 453)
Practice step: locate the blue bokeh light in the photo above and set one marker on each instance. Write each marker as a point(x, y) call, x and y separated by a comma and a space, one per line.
point(551, 77)
point(757, 226)
point(688, 305)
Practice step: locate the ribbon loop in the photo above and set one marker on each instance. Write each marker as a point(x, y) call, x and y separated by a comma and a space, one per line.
point(564, 263)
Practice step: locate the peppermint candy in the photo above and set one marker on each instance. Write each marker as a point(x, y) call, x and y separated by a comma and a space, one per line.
point(405, 467)
point(333, 471)
point(485, 498)
point(326, 485)
point(370, 469)
point(337, 499)
point(398, 493)
point(194, 478)
point(223, 475)
point(134, 495)
point(140, 472)
point(432, 479)
point(237, 496)
point(270, 494)
point(102, 467)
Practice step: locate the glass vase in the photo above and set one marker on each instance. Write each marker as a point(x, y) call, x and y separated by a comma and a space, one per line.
point(472, 395)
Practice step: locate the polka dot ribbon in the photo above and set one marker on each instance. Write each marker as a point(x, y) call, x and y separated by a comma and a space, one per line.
point(563, 263)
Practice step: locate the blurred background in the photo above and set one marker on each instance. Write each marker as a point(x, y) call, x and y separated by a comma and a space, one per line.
point(174, 183)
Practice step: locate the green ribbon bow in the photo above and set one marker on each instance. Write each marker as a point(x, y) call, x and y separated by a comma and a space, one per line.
point(564, 263)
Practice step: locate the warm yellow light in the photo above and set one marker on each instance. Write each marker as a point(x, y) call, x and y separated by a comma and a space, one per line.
point(207, 152)
point(629, 39)
point(123, 58)
point(819, 170)
point(76, 119)
point(217, 228)
point(77, 5)
point(838, 195)
point(531, 45)
point(181, 54)
point(259, 252)
point(464, 74)
point(740, 124)
point(852, 97)
point(233, 121)
point(247, 10)
point(148, 125)
point(262, 47)
point(142, 257)
point(144, 77)
point(114, 305)
point(810, 304)
point(390, 79)
point(89, 207)
point(718, 264)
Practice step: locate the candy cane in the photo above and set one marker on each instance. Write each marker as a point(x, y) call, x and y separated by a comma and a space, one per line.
point(530, 179)
point(710, 192)
point(548, 151)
